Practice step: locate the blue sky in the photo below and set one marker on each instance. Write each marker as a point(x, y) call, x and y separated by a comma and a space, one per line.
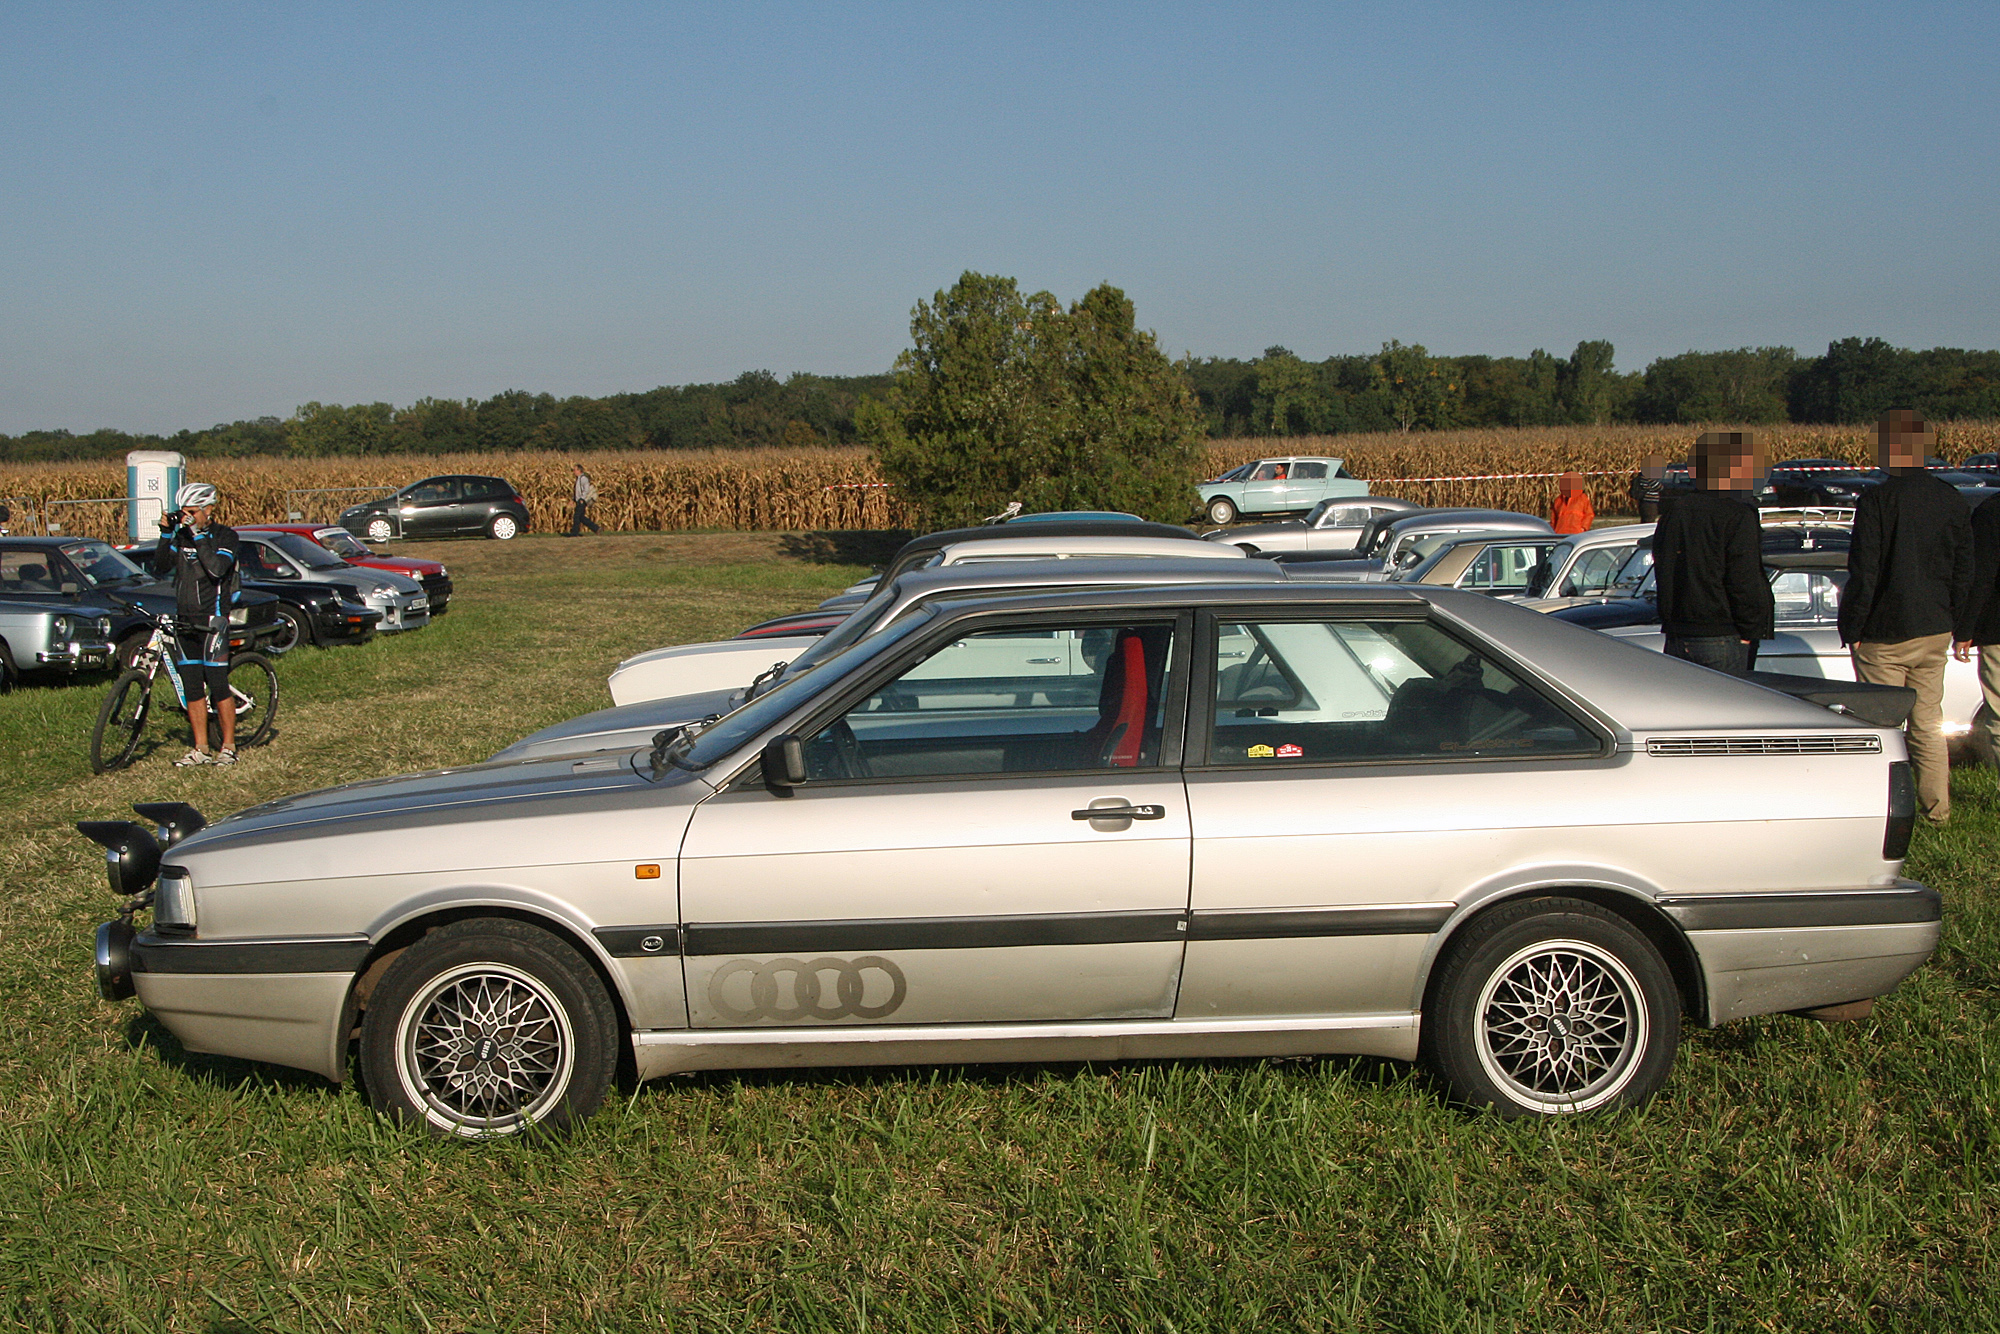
point(218, 211)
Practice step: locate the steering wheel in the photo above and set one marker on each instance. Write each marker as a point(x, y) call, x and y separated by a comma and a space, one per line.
point(848, 750)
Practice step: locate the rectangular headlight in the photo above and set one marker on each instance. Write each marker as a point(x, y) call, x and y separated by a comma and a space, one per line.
point(173, 899)
point(241, 616)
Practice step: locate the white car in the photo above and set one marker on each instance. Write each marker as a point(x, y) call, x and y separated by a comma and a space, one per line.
point(687, 669)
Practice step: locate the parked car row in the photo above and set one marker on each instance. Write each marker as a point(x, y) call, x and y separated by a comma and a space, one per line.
point(1110, 798)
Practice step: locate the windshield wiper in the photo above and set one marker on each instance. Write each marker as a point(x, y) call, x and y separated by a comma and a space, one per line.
point(671, 745)
point(771, 673)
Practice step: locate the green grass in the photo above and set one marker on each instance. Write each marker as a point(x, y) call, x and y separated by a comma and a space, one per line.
point(1793, 1176)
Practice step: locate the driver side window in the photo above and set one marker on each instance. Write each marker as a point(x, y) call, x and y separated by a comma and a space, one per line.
point(1013, 701)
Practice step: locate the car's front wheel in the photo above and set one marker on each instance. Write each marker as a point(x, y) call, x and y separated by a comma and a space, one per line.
point(380, 529)
point(488, 1027)
point(293, 630)
point(1552, 1005)
point(1222, 510)
point(503, 526)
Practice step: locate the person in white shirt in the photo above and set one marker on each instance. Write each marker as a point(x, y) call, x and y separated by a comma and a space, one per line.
point(584, 494)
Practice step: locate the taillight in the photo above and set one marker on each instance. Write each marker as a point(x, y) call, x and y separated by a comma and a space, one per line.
point(1902, 812)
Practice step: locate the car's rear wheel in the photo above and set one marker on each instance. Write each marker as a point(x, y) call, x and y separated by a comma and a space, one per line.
point(380, 529)
point(1552, 1005)
point(1221, 510)
point(503, 527)
point(489, 1027)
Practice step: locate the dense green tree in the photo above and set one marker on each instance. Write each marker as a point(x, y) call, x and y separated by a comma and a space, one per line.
point(1586, 384)
point(1423, 391)
point(1289, 400)
point(320, 430)
point(1006, 397)
point(1746, 385)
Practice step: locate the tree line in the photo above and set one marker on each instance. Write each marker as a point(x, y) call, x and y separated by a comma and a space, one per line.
point(1399, 387)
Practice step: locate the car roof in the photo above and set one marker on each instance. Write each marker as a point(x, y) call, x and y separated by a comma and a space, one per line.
point(1021, 545)
point(28, 540)
point(1503, 520)
point(1611, 534)
point(942, 580)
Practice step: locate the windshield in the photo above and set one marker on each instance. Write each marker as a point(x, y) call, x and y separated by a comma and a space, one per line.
point(304, 550)
point(340, 542)
point(100, 565)
point(727, 734)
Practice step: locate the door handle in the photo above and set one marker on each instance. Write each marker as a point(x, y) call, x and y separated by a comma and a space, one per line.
point(1120, 813)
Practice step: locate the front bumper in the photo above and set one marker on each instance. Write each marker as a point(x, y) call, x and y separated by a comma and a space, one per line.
point(402, 613)
point(346, 623)
point(78, 656)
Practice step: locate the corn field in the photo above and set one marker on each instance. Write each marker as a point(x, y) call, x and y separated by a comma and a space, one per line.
point(793, 490)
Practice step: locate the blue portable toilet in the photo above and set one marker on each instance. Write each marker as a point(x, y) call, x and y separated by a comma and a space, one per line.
point(151, 478)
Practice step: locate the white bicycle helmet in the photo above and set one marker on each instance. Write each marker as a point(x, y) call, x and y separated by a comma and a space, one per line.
point(194, 495)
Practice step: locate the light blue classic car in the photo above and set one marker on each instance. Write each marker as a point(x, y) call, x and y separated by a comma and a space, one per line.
point(58, 640)
point(1277, 486)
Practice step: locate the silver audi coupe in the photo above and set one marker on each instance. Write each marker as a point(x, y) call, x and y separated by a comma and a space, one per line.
point(1215, 820)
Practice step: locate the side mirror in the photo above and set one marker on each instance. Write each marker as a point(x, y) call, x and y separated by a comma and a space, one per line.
point(784, 764)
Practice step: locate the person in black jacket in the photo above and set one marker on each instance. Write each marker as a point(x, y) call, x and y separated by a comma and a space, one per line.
point(1909, 580)
point(1979, 626)
point(201, 556)
point(1715, 603)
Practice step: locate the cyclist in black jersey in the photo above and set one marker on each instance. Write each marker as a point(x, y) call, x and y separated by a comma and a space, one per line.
point(201, 555)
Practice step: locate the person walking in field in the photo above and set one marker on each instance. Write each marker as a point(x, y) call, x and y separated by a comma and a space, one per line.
point(1649, 484)
point(200, 554)
point(1708, 561)
point(1573, 512)
point(1909, 584)
point(1979, 627)
point(584, 493)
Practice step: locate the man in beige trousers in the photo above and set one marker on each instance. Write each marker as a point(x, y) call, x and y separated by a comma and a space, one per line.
point(1909, 580)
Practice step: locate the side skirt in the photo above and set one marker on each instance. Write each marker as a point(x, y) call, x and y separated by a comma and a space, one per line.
point(659, 1052)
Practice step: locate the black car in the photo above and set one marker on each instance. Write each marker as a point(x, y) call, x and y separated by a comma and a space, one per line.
point(1680, 477)
point(69, 570)
point(307, 613)
point(1822, 481)
point(456, 506)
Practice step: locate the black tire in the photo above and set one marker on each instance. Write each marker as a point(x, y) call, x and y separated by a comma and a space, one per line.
point(250, 674)
point(1552, 1005)
point(503, 527)
point(544, 1063)
point(294, 629)
point(120, 720)
point(129, 648)
point(1221, 510)
point(8, 676)
point(380, 529)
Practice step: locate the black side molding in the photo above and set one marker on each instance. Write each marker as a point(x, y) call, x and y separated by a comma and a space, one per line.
point(1907, 902)
point(1292, 923)
point(639, 942)
point(934, 933)
point(164, 954)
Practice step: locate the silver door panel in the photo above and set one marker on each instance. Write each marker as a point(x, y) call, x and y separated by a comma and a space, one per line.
point(953, 849)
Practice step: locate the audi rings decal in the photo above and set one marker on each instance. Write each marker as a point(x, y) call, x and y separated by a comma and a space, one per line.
point(789, 990)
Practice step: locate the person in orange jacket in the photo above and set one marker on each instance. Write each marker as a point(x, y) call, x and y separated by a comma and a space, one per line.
point(1573, 512)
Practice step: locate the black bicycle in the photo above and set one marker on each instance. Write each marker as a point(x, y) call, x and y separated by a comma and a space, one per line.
point(253, 683)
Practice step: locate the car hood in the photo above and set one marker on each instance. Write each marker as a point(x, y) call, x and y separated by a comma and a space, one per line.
point(781, 646)
point(465, 795)
point(620, 728)
point(407, 566)
point(1256, 530)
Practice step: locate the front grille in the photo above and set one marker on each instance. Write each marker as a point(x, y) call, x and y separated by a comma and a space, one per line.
point(1845, 743)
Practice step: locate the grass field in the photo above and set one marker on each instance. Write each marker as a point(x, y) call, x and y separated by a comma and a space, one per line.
point(1792, 1176)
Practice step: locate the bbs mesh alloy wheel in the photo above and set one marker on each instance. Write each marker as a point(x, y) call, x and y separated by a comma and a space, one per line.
point(489, 1027)
point(1550, 1006)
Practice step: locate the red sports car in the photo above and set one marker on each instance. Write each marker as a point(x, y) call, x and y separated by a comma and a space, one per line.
point(433, 576)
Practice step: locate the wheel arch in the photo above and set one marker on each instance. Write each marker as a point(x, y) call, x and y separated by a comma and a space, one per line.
point(1637, 909)
point(390, 943)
